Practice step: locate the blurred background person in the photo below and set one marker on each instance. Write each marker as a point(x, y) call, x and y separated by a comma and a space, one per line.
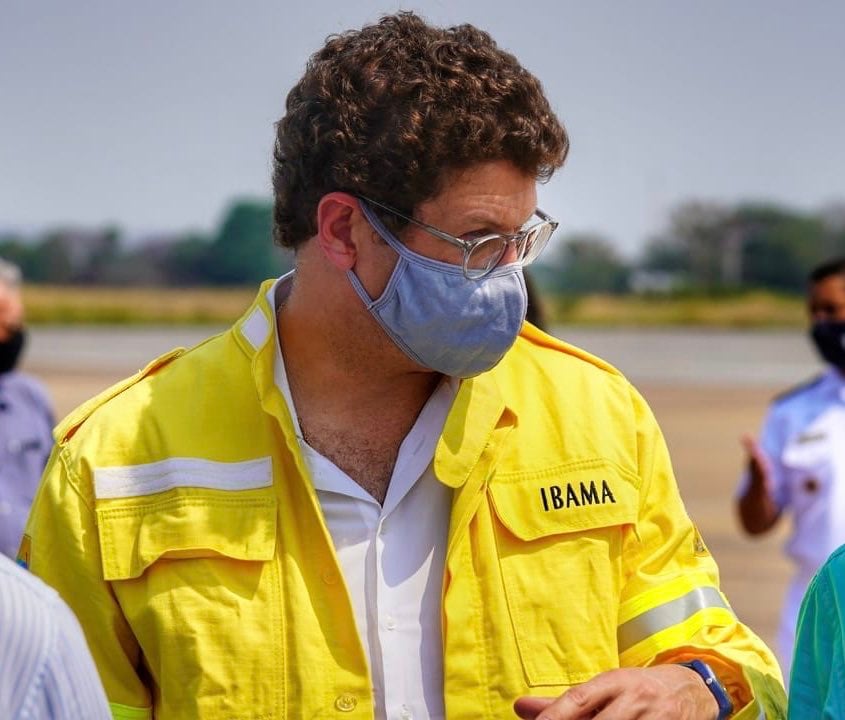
point(46, 669)
point(26, 418)
point(798, 465)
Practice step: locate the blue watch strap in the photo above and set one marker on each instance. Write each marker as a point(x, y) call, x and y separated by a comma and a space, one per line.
point(726, 707)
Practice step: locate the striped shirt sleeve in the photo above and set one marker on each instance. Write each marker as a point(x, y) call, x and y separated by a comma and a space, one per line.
point(46, 670)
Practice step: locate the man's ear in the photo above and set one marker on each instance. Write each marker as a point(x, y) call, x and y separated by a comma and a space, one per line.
point(337, 215)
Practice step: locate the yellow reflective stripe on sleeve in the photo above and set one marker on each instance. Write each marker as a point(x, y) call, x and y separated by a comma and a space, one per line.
point(675, 636)
point(666, 615)
point(124, 712)
point(643, 601)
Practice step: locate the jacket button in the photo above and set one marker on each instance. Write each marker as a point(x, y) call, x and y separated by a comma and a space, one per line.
point(346, 702)
point(330, 577)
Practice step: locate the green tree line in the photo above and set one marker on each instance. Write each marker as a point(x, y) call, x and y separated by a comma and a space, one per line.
point(239, 252)
point(704, 248)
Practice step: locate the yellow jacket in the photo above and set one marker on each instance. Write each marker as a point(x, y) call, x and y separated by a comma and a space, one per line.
point(177, 519)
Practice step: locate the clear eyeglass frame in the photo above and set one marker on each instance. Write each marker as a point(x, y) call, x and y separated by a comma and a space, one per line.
point(482, 254)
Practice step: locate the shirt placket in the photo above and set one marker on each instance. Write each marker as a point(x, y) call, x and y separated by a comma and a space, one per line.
point(391, 631)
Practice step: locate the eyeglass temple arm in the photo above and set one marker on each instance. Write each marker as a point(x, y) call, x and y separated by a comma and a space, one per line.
point(545, 217)
point(430, 228)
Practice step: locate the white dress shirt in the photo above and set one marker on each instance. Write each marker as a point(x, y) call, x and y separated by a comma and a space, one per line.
point(392, 556)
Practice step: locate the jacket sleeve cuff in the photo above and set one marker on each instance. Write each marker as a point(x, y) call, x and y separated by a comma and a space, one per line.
point(125, 712)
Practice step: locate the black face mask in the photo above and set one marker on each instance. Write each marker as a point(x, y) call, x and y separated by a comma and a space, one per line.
point(10, 349)
point(829, 338)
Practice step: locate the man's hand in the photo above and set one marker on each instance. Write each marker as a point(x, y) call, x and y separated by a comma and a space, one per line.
point(662, 692)
point(757, 509)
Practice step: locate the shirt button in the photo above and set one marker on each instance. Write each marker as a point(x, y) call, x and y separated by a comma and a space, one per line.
point(346, 702)
point(405, 714)
point(390, 622)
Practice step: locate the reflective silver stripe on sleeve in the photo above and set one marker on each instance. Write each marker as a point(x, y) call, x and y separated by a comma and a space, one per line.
point(666, 615)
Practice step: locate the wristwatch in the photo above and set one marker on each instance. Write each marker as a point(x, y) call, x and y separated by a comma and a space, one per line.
point(726, 707)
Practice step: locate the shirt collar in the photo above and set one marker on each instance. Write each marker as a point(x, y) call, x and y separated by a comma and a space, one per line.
point(476, 410)
point(416, 450)
point(834, 382)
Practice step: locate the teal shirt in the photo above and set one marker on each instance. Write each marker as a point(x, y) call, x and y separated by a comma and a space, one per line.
point(817, 685)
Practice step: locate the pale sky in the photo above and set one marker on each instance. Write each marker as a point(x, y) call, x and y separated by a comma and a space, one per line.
point(154, 115)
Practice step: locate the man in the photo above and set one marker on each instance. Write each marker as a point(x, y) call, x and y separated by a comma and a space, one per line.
point(369, 498)
point(46, 670)
point(26, 418)
point(799, 464)
point(817, 683)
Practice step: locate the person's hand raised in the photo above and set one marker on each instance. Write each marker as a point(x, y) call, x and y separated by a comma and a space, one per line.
point(758, 464)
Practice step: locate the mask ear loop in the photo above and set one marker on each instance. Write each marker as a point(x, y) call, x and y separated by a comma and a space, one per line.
point(409, 255)
point(373, 306)
point(380, 227)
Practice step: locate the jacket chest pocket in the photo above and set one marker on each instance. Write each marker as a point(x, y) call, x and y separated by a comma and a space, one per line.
point(559, 549)
point(193, 571)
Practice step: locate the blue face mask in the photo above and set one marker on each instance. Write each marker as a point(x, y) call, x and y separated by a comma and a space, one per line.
point(438, 317)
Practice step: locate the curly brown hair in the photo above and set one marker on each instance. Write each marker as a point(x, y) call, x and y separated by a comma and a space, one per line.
point(386, 110)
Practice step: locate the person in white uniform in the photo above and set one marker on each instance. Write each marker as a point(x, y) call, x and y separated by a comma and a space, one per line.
point(798, 464)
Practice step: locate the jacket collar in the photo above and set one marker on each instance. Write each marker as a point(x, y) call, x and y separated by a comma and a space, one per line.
point(255, 332)
point(478, 410)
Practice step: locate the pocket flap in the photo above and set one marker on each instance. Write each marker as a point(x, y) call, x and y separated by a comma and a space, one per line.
point(574, 497)
point(185, 521)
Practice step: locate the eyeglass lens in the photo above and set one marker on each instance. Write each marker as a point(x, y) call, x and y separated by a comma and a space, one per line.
point(487, 253)
point(484, 255)
point(536, 241)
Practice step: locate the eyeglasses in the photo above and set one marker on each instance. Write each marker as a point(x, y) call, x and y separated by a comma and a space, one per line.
point(482, 254)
